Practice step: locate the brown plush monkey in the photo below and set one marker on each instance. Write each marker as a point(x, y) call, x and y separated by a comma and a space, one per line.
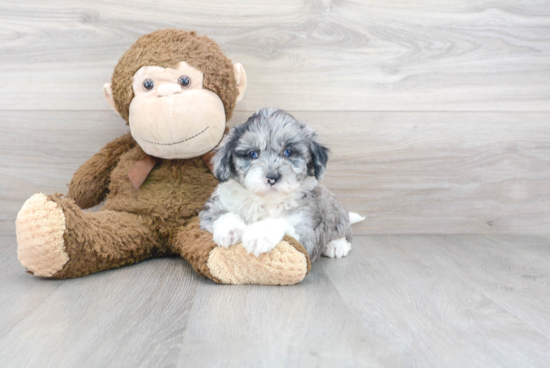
point(176, 90)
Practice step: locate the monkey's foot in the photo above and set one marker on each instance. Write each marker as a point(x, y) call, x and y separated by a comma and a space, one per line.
point(39, 227)
point(286, 264)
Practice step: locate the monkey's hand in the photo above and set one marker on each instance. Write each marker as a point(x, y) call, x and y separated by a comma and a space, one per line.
point(90, 182)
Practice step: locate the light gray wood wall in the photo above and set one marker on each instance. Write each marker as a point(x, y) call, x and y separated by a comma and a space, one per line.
point(438, 115)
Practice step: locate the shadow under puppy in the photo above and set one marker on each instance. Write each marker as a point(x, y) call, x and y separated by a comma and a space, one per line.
point(269, 168)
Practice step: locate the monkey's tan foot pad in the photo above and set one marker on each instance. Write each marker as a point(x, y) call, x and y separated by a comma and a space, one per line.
point(287, 264)
point(39, 227)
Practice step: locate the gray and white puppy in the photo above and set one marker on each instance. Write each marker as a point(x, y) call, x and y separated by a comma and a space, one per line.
point(268, 169)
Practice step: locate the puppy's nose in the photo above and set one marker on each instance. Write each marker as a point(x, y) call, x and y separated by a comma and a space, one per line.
point(272, 178)
point(168, 89)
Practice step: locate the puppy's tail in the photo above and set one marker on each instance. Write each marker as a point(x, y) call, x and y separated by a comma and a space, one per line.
point(355, 218)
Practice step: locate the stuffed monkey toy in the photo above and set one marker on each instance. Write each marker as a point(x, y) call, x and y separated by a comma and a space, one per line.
point(176, 90)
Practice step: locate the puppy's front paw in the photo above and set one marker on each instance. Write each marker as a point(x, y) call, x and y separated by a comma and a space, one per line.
point(263, 236)
point(337, 248)
point(228, 230)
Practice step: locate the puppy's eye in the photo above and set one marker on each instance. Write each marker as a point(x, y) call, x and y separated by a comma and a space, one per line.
point(253, 155)
point(148, 84)
point(184, 81)
point(287, 152)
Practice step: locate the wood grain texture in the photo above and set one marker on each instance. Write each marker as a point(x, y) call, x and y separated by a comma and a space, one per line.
point(299, 55)
point(134, 315)
point(438, 117)
point(457, 292)
point(406, 172)
point(440, 172)
point(396, 301)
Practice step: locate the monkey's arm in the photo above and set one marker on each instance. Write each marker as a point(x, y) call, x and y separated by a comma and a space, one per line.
point(90, 182)
point(287, 264)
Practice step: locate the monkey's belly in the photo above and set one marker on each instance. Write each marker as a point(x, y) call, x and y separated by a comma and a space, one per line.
point(173, 191)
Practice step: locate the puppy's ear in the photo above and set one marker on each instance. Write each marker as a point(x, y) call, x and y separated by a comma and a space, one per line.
point(222, 160)
point(319, 159)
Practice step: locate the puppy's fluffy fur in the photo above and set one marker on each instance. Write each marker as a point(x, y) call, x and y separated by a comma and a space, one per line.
point(268, 169)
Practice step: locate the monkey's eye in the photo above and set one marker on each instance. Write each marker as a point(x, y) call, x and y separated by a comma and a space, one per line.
point(253, 155)
point(148, 84)
point(184, 81)
point(287, 152)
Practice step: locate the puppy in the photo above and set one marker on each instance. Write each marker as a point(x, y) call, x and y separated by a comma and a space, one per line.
point(269, 169)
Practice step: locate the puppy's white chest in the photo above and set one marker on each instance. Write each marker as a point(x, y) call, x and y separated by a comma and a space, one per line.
point(252, 208)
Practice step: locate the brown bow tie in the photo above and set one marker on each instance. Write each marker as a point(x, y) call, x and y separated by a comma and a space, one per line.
point(141, 169)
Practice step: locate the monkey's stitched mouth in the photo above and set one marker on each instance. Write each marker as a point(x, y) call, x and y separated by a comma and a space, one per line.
point(171, 144)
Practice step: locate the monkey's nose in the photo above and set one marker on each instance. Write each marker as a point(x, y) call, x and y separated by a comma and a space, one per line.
point(272, 178)
point(168, 89)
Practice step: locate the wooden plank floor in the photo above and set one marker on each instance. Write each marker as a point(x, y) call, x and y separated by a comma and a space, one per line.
point(396, 301)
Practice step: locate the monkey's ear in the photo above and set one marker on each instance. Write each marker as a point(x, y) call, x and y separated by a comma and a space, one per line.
point(108, 93)
point(240, 77)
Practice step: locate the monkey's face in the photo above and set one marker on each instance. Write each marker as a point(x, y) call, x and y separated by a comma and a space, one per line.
point(172, 116)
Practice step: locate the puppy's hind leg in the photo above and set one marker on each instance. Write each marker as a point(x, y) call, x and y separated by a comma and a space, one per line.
point(337, 248)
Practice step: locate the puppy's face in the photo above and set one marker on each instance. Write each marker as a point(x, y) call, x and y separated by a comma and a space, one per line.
point(272, 153)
